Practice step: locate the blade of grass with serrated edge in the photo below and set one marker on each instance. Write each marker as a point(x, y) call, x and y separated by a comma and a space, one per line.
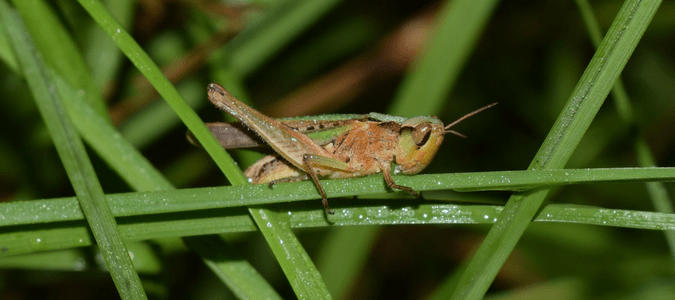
point(657, 191)
point(588, 96)
point(75, 160)
point(458, 29)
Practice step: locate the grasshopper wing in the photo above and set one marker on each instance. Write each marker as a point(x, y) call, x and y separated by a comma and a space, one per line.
point(290, 144)
point(230, 136)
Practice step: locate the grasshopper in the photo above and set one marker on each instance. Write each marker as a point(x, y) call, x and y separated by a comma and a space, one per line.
point(333, 146)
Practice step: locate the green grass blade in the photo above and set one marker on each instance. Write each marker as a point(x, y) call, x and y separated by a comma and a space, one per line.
point(150, 70)
point(130, 164)
point(588, 96)
point(257, 43)
point(65, 260)
point(236, 272)
point(458, 31)
point(343, 254)
point(102, 55)
point(145, 261)
point(64, 235)
point(292, 257)
point(6, 53)
point(142, 176)
point(59, 50)
point(75, 160)
point(152, 123)
point(164, 87)
point(656, 190)
point(619, 93)
point(161, 202)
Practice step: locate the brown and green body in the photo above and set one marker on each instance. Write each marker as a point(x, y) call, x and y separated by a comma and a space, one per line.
point(356, 146)
point(367, 148)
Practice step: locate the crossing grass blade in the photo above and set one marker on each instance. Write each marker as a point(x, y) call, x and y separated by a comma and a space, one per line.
point(657, 190)
point(74, 158)
point(581, 108)
point(150, 70)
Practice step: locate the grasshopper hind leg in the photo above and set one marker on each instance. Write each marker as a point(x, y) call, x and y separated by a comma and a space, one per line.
point(312, 174)
point(273, 169)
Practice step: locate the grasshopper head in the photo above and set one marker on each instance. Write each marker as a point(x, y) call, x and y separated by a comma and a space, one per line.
point(417, 144)
point(420, 138)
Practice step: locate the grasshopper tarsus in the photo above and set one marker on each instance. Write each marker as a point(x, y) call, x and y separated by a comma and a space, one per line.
point(324, 201)
point(403, 188)
point(411, 191)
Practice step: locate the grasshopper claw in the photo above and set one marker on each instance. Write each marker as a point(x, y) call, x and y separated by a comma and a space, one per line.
point(325, 206)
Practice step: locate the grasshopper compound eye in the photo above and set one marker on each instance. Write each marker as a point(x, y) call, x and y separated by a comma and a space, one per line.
point(421, 133)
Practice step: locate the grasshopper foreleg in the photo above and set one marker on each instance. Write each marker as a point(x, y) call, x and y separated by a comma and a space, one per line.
point(386, 171)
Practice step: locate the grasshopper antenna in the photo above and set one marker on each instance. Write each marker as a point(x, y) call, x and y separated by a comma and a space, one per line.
point(447, 128)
